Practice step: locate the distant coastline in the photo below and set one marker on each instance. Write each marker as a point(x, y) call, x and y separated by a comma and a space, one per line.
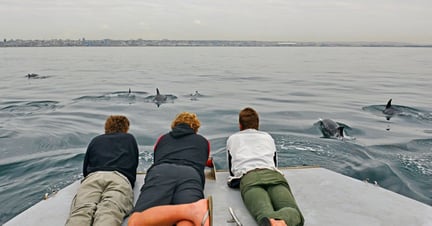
point(193, 43)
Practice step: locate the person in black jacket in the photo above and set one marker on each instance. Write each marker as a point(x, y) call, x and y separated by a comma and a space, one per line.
point(177, 173)
point(105, 195)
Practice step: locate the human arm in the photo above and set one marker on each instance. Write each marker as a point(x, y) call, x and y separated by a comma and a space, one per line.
point(136, 154)
point(233, 182)
point(157, 142)
point(229, 163)
point(273, 148)
point(86, 159)
point(209, 162)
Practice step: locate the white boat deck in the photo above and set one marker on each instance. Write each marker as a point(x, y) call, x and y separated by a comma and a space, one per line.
point(324, 197)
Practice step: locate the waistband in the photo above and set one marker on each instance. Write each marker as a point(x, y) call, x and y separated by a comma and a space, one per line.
point(109, 172)
point(257, 170)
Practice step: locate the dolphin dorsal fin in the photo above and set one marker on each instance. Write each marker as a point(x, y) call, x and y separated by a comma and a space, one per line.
point(389, 104)
point(157, 91)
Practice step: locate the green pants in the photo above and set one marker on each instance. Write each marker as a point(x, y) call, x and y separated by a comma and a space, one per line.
point(266, 193)
point(103, 198)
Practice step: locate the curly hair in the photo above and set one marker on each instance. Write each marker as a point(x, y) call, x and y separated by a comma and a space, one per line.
point(188, 118)
point(116, 124)
point(248, 118)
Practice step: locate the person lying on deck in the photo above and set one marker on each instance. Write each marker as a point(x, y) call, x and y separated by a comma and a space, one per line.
point(177, 173)
point(105, 195)
point(252, 162)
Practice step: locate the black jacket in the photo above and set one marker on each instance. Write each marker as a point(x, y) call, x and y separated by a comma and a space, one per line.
point(183, 146)
point(112, 152)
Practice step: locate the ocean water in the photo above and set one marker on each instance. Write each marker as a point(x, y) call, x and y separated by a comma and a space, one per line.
point(47, 121)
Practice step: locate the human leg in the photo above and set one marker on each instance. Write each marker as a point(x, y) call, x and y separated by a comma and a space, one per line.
point(198, 213)
point(189, 187)
point(285, 204)
point(281, 197)
point(255, 197)
point(85, 201)
point(116, 201)
point(158, 188)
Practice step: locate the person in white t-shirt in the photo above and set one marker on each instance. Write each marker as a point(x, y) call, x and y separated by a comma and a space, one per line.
point(252, 162)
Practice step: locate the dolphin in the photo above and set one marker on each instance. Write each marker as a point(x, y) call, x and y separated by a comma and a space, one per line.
point(330, 128)
point(194, 96)
point(389, 110)
point(32, 75)
point(35, 76)
point(159, 98)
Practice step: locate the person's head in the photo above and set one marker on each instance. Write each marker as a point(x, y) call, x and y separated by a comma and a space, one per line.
point(188, 118)
point(248, 119)
point(116, 124)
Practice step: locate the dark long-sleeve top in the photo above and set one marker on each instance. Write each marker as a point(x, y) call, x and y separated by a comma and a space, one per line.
point(184, 147)
point(112, 152)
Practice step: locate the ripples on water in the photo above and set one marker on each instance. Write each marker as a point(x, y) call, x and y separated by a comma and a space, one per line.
point(46, 124)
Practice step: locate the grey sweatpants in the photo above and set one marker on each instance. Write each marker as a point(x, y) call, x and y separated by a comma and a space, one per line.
point(103, 198)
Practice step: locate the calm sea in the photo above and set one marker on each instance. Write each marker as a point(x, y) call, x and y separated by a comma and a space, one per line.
point(47, 121)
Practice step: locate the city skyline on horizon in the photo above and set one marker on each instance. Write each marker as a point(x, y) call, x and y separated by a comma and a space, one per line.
point(280, 42)
point(249, 20)
point(193, 43)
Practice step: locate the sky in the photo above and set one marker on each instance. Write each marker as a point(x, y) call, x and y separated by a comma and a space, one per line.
point(261, 20)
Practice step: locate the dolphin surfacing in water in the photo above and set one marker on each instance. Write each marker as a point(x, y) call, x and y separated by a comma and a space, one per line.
point(389, 110)
point(330, 129)
point(159, 98)
point(32, 75)
point(194, 96)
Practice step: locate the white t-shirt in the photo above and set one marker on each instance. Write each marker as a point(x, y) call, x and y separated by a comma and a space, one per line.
point(251, 149)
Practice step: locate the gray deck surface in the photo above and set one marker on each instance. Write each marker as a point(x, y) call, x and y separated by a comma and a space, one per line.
point(325, 198)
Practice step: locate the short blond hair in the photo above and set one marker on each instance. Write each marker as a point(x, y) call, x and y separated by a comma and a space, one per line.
point(188, 118)
point(116, 124)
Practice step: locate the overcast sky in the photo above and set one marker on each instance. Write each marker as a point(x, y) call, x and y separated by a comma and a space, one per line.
point(273, 20)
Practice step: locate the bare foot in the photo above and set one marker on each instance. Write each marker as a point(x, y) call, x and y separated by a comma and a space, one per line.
point(277, 222)
point(133, 219)
point(199, 212)
point(185, 223)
